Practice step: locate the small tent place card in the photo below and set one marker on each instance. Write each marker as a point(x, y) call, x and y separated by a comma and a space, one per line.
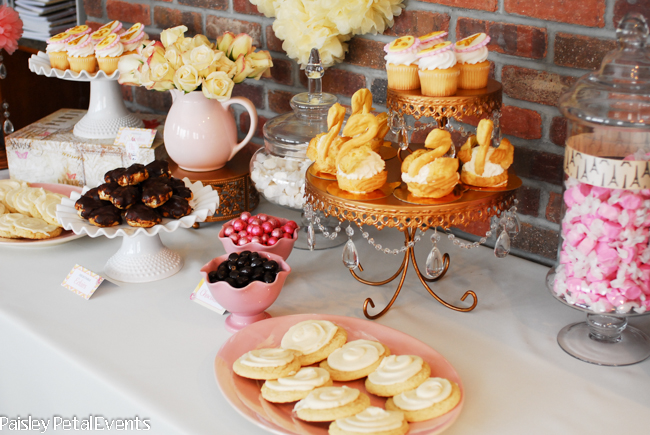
point(202, 295)
point(82, 281)
point(133, 139)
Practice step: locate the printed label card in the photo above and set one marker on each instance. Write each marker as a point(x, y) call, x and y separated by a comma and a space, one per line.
point(82, 281)
point(135, 137)
point(202, 295)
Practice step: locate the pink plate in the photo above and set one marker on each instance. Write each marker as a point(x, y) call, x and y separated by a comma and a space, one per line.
point(244, 394)
point(64, 237)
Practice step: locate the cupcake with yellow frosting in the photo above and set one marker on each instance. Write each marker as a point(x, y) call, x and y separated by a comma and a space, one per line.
point(132, 38)
point(81, 54)
point(57, 51)
point(108, 53)
point(438, 71)
point(402, 63)
point(471, 56)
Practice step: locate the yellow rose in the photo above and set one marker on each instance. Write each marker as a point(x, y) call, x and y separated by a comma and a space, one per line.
point(202, 40)
point(174, 57)
point(199, 57)
point(150, 48)
point(225, 41)
point(129, 68)
point(242, 44)
point(185, 44)
point(218, 86)
point(187, 78)
point(170, 36)
point(260, 62)
point(145, 76)
point(226, 65)
point(244, 69)
point(160, 72)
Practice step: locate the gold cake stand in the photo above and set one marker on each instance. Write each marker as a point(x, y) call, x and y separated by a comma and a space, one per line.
point(465, 205)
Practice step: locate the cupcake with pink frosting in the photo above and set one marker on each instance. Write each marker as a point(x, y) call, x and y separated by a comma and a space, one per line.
point(81, 54)
point(471, 55)
point(57, 51)
point(108, 53)
point(132, 38)
point(402, 63)
point(431, 39)
point(438, 71)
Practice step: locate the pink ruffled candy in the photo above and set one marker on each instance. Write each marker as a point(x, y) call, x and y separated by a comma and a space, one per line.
point(577, 194)
point(601, 193)
point(633, 291)
point(588, 219)
point(608, 270)
point(608, 211)
point(606, 254)
point(627, 253)
point(611, 230)
point(575, 285)
point(585, 189)
point(568, 197)
point(615, 297)
point(630, 201)
point(575, 237)
point(587, 245)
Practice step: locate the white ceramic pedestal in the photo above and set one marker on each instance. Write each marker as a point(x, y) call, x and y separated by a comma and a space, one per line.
point(143, 258)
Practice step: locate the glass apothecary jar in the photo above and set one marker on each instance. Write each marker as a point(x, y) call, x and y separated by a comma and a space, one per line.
point(603, 265)
point(278, 169)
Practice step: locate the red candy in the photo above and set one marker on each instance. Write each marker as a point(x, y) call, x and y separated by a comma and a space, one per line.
point(262, 229)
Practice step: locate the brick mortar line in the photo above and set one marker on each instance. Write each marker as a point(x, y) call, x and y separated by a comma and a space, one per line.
point(539, 222)
point(544, 197)
point(539, 65)
point(542, 185)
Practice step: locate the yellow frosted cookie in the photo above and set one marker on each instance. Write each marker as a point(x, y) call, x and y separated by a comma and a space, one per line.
point(3, 209)
point(315, 339)
point(35, 228)
point(330, 403)
point(46, 207)
point(433, 398)
point(397, 373)
point(10, 197)
point(7, 228)
point(295, 387)
point(7, 185)
point(371, 421)
point(355, 360)
point(267, 363)
point(24, 200)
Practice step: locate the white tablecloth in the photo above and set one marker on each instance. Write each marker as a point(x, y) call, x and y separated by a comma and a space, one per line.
point(148, 350)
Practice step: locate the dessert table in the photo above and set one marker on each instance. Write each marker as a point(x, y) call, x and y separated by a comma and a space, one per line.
point(147, 350)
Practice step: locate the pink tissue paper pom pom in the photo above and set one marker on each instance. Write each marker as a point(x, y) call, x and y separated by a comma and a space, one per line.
point(11, 28)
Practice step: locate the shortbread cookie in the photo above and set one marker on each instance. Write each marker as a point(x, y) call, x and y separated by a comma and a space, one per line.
point(435, 397)
point(296, 387)
point(10, 197)
point(24, 201)
point(330, 403)
point(35, 228)
point(371, 421)
point(267, 363)
point(355, 360)
point(46, 207)
point(7, 228)
point(397, 373)
point(315, 339)
point(7, 185)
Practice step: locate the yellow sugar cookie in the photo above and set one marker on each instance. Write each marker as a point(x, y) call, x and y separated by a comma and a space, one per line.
point(355, 360)
point(315, 339)
point(397, 373)
point(435, 397)
point(267, 363)
point(371, 421)
point(7, 228)
point(295, 387)
point(35, 228)
point(330, 403)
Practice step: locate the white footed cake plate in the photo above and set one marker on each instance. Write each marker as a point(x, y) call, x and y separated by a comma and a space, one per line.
point(142, 256)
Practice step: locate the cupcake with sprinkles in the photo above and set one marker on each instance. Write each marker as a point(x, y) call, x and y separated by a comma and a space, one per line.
point(132, 38)
point(471, 55)
point(108, 53)
point(438, 71)
point(431, 39)
point(57, 50)
point(81, 54)
point(402, 63)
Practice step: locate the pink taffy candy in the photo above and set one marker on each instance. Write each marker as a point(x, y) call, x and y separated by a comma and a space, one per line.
point(578, 196)
point(601, 193)
point(575, 285)
point(608, 270)
point(587, 219)
point(645, 273)
point(615, 297)
point(611, 230)
point(627, 253)
point(585, 189)
point(574, 237)
point(630, 201)
point(587, 245)
point(568, 197)
point(608, 211)
point(632, 291)
point(606, 254)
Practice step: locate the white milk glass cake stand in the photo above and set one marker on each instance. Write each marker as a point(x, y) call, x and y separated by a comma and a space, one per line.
point(142, 256)
point(106, 111)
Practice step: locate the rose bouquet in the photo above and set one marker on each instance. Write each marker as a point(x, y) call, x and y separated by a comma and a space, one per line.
point(189, 64)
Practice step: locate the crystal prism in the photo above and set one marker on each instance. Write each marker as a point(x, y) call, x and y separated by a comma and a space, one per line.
point(435, 264)
point(502, 246)
point(3, 71)
point(8, 127)
point(350, 255)
point(513, 226)
point(311, 237)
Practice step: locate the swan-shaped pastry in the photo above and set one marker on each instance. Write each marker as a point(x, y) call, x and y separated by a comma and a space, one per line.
point(426, 172)
point(361, 129)
point(322, 148)
point(361, 105)
point(360, 170)
point(362, 101)
point(483, 165)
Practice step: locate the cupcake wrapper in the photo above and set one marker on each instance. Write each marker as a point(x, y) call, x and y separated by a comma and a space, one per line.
point(78, 64)
point(474, 76)
point(108, 64)
point(439, 82)
point(403, 77)
point(59, 60)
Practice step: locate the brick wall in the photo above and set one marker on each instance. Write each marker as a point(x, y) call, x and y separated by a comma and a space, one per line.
point(538, 47)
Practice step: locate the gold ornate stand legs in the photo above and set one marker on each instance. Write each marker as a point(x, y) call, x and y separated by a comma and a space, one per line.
point(409, 234)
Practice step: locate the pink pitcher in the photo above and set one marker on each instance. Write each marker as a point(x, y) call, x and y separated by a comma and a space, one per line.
point(200, 133)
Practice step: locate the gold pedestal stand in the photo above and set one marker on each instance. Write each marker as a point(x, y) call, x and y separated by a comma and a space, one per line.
point(466, 205)
point(233, 182)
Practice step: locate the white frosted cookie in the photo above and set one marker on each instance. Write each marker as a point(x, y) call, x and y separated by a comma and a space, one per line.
point(433, 398)
point(24, 201)
point(7, 185)
point(371, 421)
point(46, 207)
point(316, 339)
point(355, 360)
point(397, 373)
point(7, 228)
point(330, 403)
point(295, 387)
point(3, 209)
point(267, 363)
point(35, 228)
point(11, 196)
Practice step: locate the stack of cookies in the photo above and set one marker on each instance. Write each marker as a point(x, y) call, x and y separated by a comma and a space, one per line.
point(145, 194)
point(28, 212)
point(291, 375)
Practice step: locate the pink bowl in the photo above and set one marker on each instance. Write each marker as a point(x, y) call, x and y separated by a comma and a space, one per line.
point(282, 248)
point(246, 305)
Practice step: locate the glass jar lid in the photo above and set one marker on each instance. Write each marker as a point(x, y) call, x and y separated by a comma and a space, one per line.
point(288, 135)
point(618, 93)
